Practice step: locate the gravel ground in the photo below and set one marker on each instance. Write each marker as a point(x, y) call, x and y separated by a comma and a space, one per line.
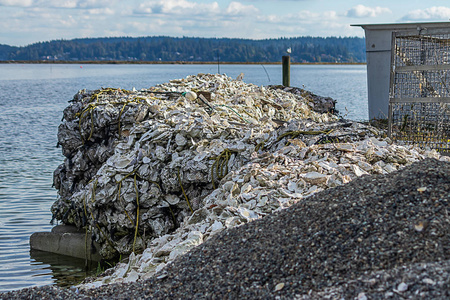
point(377, 237)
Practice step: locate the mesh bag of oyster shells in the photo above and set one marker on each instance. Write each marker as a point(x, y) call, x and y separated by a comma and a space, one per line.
point(138, 162)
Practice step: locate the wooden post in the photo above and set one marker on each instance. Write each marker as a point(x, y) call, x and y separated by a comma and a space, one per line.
point(286, 61)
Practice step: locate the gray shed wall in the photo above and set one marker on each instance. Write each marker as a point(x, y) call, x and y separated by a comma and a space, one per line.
point(378, 53)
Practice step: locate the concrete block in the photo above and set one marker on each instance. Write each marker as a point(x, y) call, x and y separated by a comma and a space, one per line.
point(65, 240)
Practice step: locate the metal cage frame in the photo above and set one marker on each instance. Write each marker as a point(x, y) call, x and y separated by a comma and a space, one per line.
point(419, 98)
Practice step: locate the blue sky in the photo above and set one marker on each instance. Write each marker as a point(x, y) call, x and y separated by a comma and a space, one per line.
point(24, 22)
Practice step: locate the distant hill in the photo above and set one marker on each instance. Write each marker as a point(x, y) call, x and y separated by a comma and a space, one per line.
point(5, 50)
point(191, 49)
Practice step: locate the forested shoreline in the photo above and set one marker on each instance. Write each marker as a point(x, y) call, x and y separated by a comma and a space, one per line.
point(188, 49)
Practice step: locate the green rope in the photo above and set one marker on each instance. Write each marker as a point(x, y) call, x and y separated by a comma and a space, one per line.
point(125, 103)
point(221, 163)
point(295, 134)
point(85, 248)
point(247, 113)
point(173, 216)
point(107, 90)
point(90, 108)
point(328, 140)
point(260, 146)
point(118, 194)
point(137, 212)
point(136, 223)
point(232, 109)
point(85, 235)
point(184, 193)
point(93, 219)
point(123, 206)
point(120, 115)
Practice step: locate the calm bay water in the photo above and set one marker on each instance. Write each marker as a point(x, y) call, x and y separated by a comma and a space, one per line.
point(32, 98)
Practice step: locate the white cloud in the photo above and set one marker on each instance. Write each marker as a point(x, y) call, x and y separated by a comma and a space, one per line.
point(237, 8)
point(73, 3)
point(54, 20)
point(361, 11)
point(330, 15)
point(301, 17)
point(143, 9)
point(187, 9)
point(101, 11)
point(432, 13)
point(327, 23)
point(20, 3)
point(173, 6)
point(57, 3)
point(94, 3)
point(177, 7)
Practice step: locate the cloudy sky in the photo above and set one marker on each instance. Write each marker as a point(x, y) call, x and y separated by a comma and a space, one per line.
point(24, 22)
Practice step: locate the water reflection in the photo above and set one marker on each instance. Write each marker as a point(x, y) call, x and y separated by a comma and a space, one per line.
point(61, 270)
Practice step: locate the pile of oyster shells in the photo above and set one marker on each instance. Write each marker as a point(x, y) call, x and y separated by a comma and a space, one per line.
point(161, 170)
point(139, 162)
point(318, 103)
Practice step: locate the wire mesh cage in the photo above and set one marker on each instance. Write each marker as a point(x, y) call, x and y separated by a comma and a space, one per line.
point(419, 103)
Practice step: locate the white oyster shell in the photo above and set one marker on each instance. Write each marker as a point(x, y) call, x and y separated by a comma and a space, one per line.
point(315, 177)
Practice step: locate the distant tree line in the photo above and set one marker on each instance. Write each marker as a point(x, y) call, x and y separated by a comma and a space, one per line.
point(191, 49)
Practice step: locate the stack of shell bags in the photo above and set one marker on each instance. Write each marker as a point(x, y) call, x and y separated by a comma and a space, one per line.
point(137, 163)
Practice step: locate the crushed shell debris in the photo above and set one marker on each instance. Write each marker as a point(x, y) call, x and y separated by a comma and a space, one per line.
point(159, 171)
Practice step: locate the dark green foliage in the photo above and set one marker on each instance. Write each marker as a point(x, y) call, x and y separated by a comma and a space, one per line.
point(162, 48)
point(5, 50)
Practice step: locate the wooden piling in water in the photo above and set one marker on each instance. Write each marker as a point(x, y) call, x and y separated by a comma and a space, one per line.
point(286, 61)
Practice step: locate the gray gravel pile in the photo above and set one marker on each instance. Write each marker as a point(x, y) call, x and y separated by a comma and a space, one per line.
point(406, 282)
point(377, 237)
